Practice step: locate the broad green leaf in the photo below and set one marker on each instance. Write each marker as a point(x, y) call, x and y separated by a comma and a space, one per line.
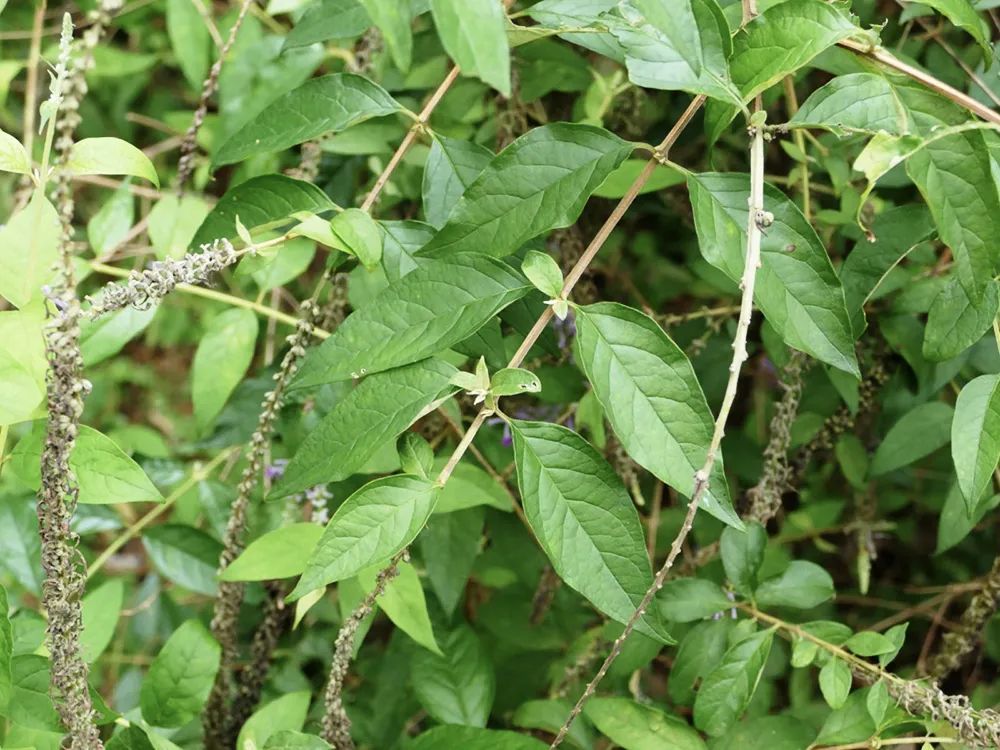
point(835, 682)
point(803, 585)
point(742, 555)
point(105, 337)
point(13, 157)
point(618, 183)
point(584, 519)
point(955, 321)
point(286, 264)
point(474, 738)
point(975, 437)
point(224, 353)
point(369, 527)
point(21, 559)
point(468, 487)
point(105, 475)
point(29, 246)
point(328, 19)
point(726, 692)
point(783, 39)
point(22, 365)
point(870, 643)
point(392, 17)
point(110, 225)
point(681, 45)
point(449, 546)
point(873, 102)
point(261, 203)
point(180, 677)
point(101, 608)
point(957, 178)
point(456, 687)
point(416, 456)
point(322, 105)
point(965, 16)
point(185, 555)
point(896, 232)
point(783, 731)
point(955, 523)
point(797, 289)
point(281, 553)
point(30, 705)
point(173, 222)
point(401, 242)
point(569, 14)
point(918, 433)
point(452, 165)
point(877, 702)
point(132, 737)
point(404, 603)
point(474, 34)
point(366, 419)
point(109, 156)
point(690, 599)
point(543, 271)
point(548, 715)
point(848, 724)
point(284, 714)
point(6, 652)
point(427, 311)
point(359, 235)
point(288, 740)
point(636, 726)
point(652, 398)
point(539, 182)
point(190, 40)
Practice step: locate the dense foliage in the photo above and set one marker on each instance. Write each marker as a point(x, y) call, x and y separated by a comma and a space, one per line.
point(370, 379)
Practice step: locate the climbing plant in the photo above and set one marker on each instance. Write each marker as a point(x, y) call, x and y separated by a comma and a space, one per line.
point(433, 374)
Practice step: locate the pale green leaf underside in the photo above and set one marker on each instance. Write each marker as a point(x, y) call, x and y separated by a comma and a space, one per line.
point(281, 553)
point(474, 34)
point(109, 156)
point(975, 437)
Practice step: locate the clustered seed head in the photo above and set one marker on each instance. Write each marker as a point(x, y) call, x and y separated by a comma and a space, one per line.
point(975, 728)
point(147, 288)
point(956, 645)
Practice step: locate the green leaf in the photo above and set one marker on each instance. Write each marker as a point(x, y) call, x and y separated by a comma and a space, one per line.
point(955, 321)
point(110, 225)
point(584, 519)
point(547, 715)
point(636, 726)
point(30, 705)
point(965, 16)
point(955, 523)
point(404, 603)
point(190, 40)
point(29, 246)
point(783, 39)
point(221, 361)
point(132, 737)
point(835, 682)
point(180, 677)
point(6, 652)
point(281, 553)
point(918, 433)
point(473, 738)
point(185, 555)
point(681, 45)
point(870, 643)
point(101, 608)
point(20, 542)
point(392, 17)
point(284, 714)
point(956, 175)
point(452, 166)
point(416, 456)
point(742, 555)
point(803, 585)
point(543, 271)
point(873, 102)
point(427, 311)
point(877, 702)
point(726, 692)
point(700, 652)
point(690, 599)
point(897, 232)
point(109, 156)
point(365, 420)
point(618, 183)
point(468, 487)
point(514, 381)
point(975, 437)
point(286, 264)
point(474, 34)
point(105, 337)
point(797, 289)
point(539, 182)
point(328, 19)
point(173, 222)
point(261, 203)
point(328, 104)
point(369, 527)
point(449, 547)
point(652, 398)
point(287, 740)
point(359, 235)
point(13, 157)
point(22, 365)
point(848, 724)
point(456, 687)
point(106, 476)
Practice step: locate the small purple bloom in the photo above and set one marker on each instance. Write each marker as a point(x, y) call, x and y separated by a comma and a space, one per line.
point(275, 469)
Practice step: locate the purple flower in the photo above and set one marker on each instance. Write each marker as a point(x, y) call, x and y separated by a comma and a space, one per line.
point(275, 469)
